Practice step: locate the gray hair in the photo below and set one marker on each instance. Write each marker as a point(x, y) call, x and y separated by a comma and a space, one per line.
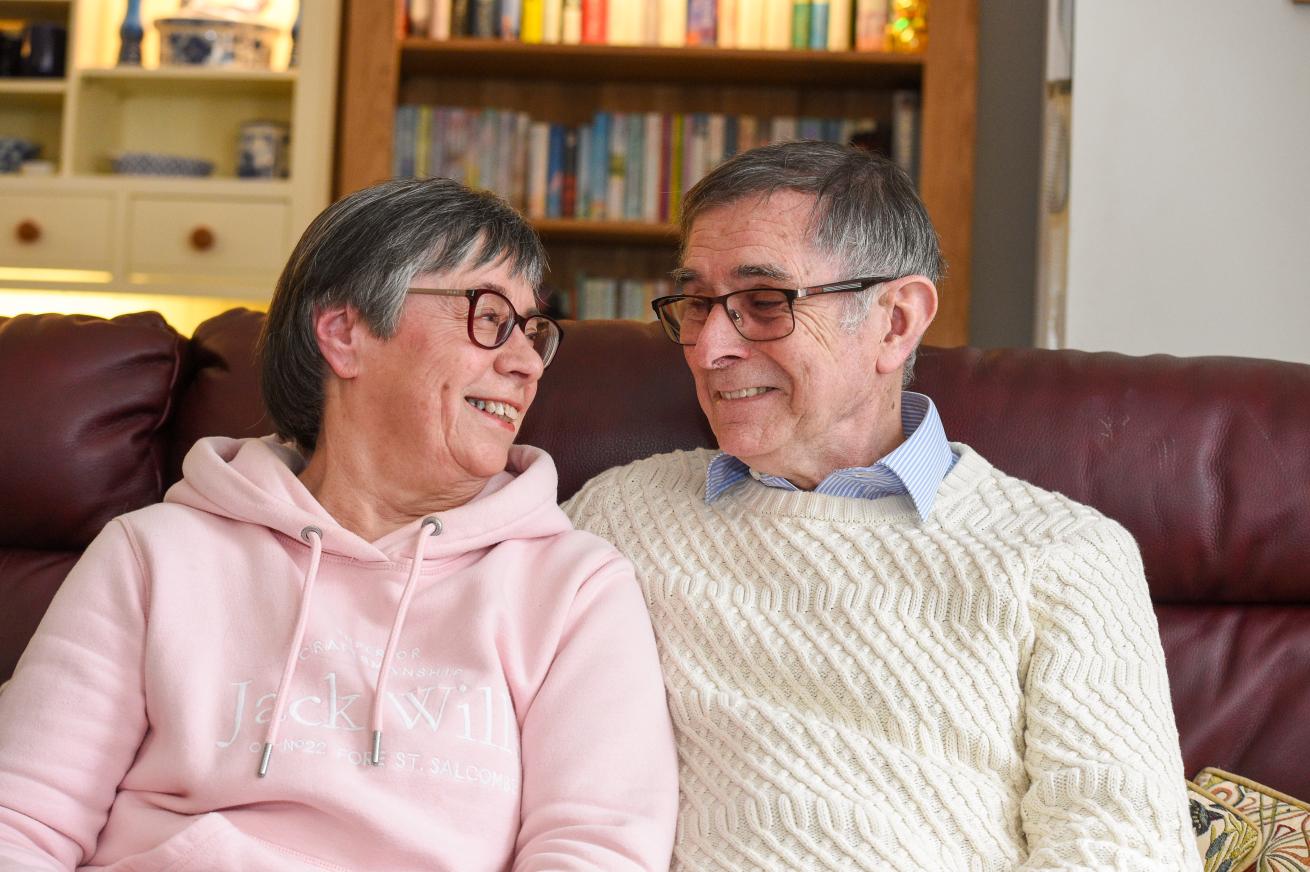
point(363, 251)
point(866, 211)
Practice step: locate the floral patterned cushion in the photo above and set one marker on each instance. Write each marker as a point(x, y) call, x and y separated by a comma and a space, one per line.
point(1226, 839)
point(1284, 822)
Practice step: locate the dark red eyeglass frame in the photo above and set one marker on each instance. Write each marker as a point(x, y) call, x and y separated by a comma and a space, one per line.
point(517, 320)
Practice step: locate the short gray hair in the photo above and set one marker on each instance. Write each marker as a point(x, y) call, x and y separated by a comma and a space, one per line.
point(363, 251)
point(866, 213)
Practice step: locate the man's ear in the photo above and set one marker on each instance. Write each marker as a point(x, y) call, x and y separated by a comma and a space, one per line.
point(912, 304)
point(340, 333)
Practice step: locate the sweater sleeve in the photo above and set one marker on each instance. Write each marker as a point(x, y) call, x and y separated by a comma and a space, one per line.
point(73, 715)
point(600, 784)
point(1106, 775)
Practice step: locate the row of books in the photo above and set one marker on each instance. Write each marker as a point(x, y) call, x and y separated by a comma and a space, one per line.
point(836, 25)
point(621, 166)
point(602, 297)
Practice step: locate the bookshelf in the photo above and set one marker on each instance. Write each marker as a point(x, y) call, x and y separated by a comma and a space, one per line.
point(382, 68)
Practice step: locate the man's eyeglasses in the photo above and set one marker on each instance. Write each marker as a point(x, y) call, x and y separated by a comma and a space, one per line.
point(759, 314)
point(492, 318)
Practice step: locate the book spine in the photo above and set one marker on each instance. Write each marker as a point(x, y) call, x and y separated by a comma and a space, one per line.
point(519, 174)
point(800, 24)
point(819, 10)
point(555, 171)
point(650, 165)
point(700, 22)
point(398, 156)
point(484, 18)
point(624, 24)
point(666, 167)
point(571, 23)
point(511, 19)
point(839, 25)
point(538, 167)
point(552, 20)
point(633, 170)
point(582, 203)
point(747, 135)
point(677, 156)
point(731, 135)
point(600, 166)
point(533, 23)
point(905, 131)
point(714, 140)
point(459, 18)
point(505, 129)
point(673, 23)
point(422, 141)
point(750, 23)
point(725, 22)
point(569, 193)
point(618, 166)
point(594, 26)
point(871, 25)
point(439, 27)
point(420, 16)
point(777, 24)
point(650, 22)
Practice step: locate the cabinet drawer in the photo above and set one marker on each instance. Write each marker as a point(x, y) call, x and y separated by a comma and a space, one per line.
point(56, 231)
point(212, 237)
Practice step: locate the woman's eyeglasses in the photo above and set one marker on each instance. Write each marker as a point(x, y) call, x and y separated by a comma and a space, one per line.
point(492, 318)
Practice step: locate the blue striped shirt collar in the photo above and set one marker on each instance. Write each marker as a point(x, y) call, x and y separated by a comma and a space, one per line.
point(915, 468)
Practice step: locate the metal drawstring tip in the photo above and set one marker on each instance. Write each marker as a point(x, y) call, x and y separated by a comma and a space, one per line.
point(376, 757)
point(263, 760)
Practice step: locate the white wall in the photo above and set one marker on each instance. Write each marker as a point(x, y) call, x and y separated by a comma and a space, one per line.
point(1190, 196)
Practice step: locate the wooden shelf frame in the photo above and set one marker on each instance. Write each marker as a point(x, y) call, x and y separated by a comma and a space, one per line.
point(376, 57)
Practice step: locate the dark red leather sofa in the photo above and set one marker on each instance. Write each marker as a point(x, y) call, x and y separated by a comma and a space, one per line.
point(1205, 460)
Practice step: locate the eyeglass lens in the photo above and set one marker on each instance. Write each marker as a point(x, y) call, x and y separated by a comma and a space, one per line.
point(758, 314)
point(493, 319)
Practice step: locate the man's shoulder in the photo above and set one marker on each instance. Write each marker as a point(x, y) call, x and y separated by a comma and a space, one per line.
point(1019, 508)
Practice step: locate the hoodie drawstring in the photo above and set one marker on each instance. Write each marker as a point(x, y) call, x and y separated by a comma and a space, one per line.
point(375, 716)
point(314, 536)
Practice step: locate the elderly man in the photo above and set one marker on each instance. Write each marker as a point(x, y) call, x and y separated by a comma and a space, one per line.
point(881, 652)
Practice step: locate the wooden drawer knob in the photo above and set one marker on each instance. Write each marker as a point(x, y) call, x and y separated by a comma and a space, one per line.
point(202, 238)
point(27, 231)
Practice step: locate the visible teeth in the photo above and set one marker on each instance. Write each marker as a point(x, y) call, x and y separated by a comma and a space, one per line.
point(743, 393)
point(504, 411)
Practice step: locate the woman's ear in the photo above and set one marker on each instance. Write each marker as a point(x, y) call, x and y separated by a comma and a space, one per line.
point(340, 333)
point(912, 304)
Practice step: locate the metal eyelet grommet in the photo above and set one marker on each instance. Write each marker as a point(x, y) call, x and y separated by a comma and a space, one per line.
point(437, 526)
point(304, 534)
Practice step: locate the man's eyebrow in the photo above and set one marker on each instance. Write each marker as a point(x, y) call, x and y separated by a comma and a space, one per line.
point(763, 271)
point(682, 275)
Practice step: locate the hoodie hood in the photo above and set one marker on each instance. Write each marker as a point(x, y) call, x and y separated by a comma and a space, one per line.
point(254, 481)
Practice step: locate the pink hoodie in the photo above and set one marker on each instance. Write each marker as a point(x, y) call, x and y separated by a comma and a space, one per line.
point(522, 713)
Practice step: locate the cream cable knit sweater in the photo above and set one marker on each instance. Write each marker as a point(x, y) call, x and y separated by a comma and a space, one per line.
point(853, 688)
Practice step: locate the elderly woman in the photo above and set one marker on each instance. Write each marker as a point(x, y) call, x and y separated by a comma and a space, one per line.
point(373, 643)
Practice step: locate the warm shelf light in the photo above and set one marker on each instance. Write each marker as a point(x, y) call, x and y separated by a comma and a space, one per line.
point(184, 313)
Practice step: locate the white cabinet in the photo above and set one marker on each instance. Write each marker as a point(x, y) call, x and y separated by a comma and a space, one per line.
point(86, 228)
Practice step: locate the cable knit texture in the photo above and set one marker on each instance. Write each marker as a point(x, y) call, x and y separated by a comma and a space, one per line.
point(854, 688)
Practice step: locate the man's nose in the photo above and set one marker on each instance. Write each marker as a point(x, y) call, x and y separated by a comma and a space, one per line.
point(719, 343)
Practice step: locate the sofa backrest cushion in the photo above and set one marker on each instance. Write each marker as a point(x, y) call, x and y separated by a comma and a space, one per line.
point(85, 404)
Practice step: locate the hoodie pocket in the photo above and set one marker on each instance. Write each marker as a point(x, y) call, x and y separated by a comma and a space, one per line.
point(212, 843)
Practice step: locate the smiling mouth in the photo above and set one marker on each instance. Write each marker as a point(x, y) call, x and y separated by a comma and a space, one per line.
point(498, 410)
point(743, 394)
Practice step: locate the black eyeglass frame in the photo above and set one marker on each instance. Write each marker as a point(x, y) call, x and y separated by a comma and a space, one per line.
point(520, 321)
point(845, 286)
